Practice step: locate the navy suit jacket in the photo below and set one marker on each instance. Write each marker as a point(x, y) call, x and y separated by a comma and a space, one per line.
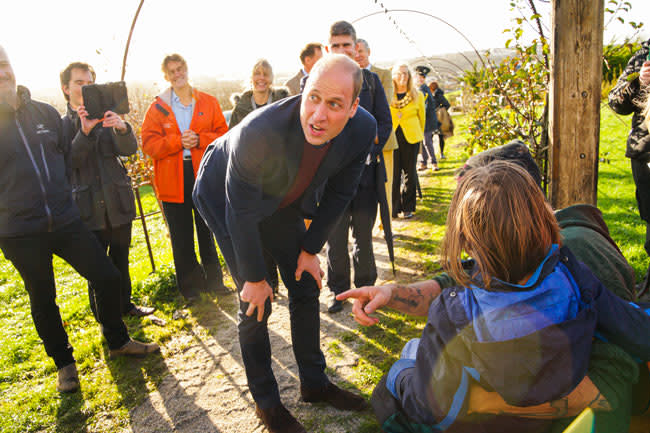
point(245, 174)
point(377, 105)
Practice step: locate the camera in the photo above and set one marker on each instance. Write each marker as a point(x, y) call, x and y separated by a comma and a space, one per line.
point(100, 98)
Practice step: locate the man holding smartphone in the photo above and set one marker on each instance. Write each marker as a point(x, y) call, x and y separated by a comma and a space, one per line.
point(628, 97)
point(100, 186)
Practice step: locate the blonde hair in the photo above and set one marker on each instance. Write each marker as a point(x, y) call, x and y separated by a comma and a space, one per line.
point(265, 66)
point(410, 86)
point(499, 216)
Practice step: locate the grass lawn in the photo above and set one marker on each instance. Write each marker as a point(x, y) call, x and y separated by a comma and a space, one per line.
point(110, 388)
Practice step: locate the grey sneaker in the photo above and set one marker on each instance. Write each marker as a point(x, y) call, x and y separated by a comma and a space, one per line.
point(68, 379)
point(134, 348)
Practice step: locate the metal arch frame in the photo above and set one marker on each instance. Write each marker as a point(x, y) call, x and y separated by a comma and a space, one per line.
point(385, 11)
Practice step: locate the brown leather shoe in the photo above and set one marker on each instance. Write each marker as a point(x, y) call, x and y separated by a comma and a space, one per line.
point(335, 396)
point(134, 348)
point(140, 311)
point(279, 420)
point(68, 379)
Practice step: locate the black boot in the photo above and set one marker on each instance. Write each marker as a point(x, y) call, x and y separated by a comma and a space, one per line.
point(192, 284)
point(334, 396)
point(279, 420)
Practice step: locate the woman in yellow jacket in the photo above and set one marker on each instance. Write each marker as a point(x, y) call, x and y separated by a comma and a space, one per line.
point(407, 110)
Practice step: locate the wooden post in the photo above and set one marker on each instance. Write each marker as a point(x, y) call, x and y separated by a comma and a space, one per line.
point(574, 118)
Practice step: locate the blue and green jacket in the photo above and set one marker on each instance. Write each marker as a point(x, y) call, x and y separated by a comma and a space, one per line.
point(531, 343)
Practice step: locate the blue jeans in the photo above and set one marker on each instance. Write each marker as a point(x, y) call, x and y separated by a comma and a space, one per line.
point(427, 149)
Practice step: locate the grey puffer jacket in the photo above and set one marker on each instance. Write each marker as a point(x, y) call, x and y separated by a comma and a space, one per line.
point(627, 97)
point(100, 186)
point(34, 189)
point(245, 104)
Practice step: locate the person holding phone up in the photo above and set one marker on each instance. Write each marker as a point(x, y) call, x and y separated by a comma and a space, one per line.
point(628, 97)
point(100, 186)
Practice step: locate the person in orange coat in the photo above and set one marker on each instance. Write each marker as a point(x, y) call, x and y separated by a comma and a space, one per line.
point(178, 126)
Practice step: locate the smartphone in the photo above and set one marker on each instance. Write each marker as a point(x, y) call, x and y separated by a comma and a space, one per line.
point(100, 98)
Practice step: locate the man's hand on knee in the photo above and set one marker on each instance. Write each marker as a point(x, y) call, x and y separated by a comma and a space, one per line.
point(309, 263)
point(255, 293)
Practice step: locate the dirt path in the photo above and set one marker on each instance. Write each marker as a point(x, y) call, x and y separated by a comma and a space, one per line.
point(206, 391)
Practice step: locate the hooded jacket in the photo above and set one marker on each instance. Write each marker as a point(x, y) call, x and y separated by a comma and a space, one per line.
point(245, 104)
point(626, 98)
point(35, 196)
point(161, 140)
point(547, 325)
point(100, 186)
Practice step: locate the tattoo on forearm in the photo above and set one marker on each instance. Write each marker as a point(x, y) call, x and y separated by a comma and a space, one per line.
point(411, 300)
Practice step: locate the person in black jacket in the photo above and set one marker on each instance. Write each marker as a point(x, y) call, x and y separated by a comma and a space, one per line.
point(361, 213)
point(100, 186)
point(440, 102)
point(628, 97)
point(38, 218)
point(301, 157)
point(431, 123)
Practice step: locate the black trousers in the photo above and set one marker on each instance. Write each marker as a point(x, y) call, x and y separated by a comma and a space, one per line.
point(32, 257)
point(405, 160)
point(441, 142)
point(117, 241)
point(641, 175)
point(360, 215)
point(182, 218)
point(281, 235)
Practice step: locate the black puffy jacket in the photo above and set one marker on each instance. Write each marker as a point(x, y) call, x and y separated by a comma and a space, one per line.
point(35, 195)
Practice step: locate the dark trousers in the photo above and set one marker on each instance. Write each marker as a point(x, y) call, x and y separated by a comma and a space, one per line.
point(181, 219)
point(360, 215)
point(281, 235)
point(32, 257)
point(271, 270)
point(641, 175)
point(427, 149)
point(117, 240)
point(441, 142)
point(405, 160)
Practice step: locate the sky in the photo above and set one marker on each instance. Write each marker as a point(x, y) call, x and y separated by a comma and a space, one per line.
point(224, 39)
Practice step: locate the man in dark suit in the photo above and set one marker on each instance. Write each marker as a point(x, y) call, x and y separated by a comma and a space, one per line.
point(308, 57)
point(361, 213)
point(386, 78)
point(300, 157)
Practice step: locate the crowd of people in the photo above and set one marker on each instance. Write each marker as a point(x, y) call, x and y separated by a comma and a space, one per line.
point(541, 322)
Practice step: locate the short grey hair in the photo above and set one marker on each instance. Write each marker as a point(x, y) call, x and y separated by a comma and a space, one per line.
point(364, 42)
